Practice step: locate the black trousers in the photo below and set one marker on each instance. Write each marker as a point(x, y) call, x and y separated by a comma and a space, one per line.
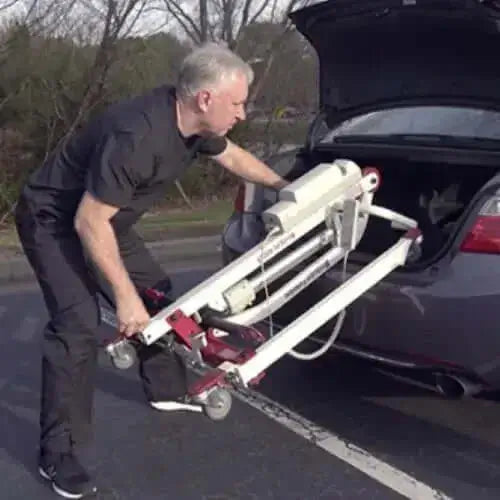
point(70, 289)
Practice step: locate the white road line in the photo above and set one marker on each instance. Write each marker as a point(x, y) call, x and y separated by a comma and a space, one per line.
point(378, 470)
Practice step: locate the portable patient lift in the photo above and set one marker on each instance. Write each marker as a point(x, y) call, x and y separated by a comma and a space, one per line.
point(336, 196)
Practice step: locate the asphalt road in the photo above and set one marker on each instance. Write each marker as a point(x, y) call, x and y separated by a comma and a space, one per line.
point(452, 446)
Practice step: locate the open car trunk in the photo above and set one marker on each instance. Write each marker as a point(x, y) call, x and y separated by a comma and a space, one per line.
point(431, 68)
point(444, 197)
point(436, 195)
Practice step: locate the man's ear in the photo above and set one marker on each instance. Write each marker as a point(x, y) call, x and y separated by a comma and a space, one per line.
point(203, 99)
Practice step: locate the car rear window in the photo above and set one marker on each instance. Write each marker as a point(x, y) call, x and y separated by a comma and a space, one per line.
point(439, 120)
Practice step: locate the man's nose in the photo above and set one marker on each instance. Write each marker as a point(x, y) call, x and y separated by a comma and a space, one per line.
point(241, 115)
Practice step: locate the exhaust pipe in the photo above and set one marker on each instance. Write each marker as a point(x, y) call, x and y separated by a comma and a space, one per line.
point(456, 387)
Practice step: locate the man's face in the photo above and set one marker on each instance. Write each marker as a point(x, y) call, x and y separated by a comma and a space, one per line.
point(223, 107)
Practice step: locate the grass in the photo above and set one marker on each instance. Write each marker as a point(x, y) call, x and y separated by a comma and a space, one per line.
point(213, 212)
point(206, 218)
point(9, 243)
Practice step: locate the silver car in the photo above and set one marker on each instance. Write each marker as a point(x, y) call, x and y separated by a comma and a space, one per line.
point(413, 89)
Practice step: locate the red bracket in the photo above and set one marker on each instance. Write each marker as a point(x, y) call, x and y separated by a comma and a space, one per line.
point(184, 326)
point(214, 353)
point(413, 233)
point(373, 170)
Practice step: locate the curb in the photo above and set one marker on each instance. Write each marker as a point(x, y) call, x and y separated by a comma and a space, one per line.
point(18, 270)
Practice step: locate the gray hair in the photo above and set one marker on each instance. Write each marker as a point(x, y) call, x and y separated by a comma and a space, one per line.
point(208, 66)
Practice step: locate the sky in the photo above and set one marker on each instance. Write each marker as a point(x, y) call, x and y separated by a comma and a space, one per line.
point(148, 23)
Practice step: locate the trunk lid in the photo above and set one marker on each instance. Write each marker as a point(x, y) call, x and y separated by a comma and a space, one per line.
point(386, 53)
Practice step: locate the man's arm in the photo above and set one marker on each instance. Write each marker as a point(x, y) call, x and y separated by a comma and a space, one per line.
point(92, 223)
point(244, 164)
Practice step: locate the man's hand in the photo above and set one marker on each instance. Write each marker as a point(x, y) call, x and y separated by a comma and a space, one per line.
point(246, 165)
point(281, 184)
point(131, 314)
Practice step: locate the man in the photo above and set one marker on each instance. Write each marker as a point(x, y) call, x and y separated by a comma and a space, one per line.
point(78, 208)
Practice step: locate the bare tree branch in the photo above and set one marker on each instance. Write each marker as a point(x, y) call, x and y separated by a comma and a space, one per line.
point(274, 47)
point(140, 12)
point(89, 4)
point(31, 9)
point(227, 21)
point(246, 13)
point(46, 16)
point(184, 19)
point(203, 20)
point(104, 59)
point(182, 192)
point(6, 4)
point(11, 95)
point(121, 19)
point(259, 12)
point(273, 9)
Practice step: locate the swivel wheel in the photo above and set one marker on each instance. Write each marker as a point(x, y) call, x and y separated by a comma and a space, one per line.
point(218, 404)
point(123, 355)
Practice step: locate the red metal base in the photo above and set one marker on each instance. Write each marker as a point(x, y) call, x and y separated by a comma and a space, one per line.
point(214, 353)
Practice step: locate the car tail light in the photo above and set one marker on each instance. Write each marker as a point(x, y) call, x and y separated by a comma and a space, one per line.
point(239, 201)
point(484, 236)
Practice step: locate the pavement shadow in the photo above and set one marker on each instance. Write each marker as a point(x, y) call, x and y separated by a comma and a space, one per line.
point(125, 385)
point(490, 396)
point(20, 378)
point(19, 405)
point(19, 438)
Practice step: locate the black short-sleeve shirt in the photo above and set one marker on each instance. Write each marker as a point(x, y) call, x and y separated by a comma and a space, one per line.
point(127, 157)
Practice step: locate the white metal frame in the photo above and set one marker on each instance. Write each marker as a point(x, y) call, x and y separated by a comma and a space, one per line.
point(319, 314)
point(233, 288)
point(211, 291)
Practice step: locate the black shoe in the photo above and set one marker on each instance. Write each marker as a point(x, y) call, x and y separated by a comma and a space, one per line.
point(68, 477)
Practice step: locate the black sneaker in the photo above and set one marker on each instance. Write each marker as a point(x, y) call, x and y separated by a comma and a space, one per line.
point(68, 477)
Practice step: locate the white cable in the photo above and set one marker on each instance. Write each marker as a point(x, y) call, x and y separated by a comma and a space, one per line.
point(335, 333)
point(269, 235)
point(341, 316)
point(340, 320)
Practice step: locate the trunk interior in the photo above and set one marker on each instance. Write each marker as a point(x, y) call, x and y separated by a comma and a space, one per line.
point(434, 194)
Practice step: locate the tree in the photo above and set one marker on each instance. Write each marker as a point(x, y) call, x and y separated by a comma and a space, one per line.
point(227, 21)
